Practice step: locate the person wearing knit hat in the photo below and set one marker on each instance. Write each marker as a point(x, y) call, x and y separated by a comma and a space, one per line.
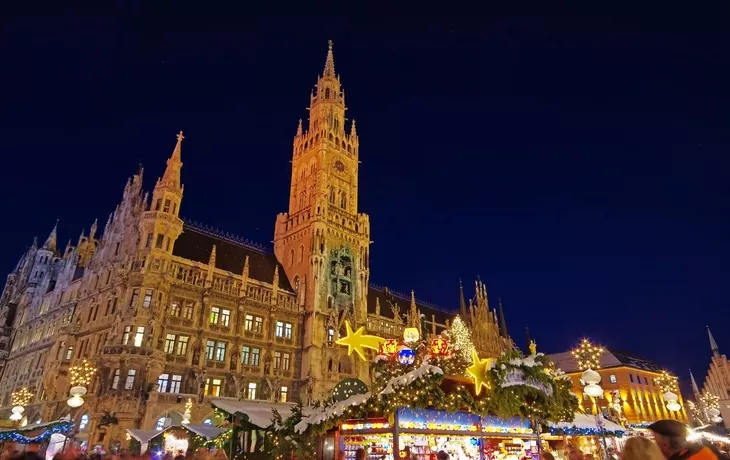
point(671, 437)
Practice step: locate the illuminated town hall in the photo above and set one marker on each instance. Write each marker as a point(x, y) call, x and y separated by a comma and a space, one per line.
point(170, 311)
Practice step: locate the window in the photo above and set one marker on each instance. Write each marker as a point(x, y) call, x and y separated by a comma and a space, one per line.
point(279, 329)
point(148, 243)
point(162, 382)
point(283, 394)
point(116, 250)
point(612, 378)
point(61, 347)
point(255, 353)
point(182, 345)
point(287, 331)
point(129, 384)
point(248, 323)
point(84, 422)
point(258, 324)
point(69, 352)
point(220, 352)
point(225, 317)
point(114, 305)
point(188, 310)
point(125, 337)
point(174, 207)
point(175, 309)
point(277, 360)
point(214, 313)
point(147, 298)
point(159, 241)
point(251, 394)
point(175, 384)
point(115, 379)
point(245, 353)
point(139, 336)
point(212, 387)
point(158, 203)
point(135, 297)
point(210, 349)
point(170, 344)
point(285, 359)
point(331, 335)
point(108, 276)
point(631, 378)
point(167, 206)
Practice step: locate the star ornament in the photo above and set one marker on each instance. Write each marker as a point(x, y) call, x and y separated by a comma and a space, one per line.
point(356, 341)
point(478, 371)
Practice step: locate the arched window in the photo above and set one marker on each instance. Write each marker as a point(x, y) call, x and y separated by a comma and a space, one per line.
point(301, 253)
point(345, 365)
point(332, 195)
point(343, 200)
point(327, 93)
point(303, 199)
point(291, 257)
point(296, 283)
point(313, 169)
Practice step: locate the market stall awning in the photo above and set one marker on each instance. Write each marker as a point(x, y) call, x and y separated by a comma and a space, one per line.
point(587, 424)
point(259, 412)
point(145, 435)
point(206, 431)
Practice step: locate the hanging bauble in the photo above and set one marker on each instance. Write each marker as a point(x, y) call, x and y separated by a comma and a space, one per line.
point(348, 387)
point(670, 397)
point(673, 406)
point(716, 419)
point(593, 390)
point(411, 334)
point(714, 412)
point(406, 356)
point(591, 377)
point(389, 347)
point(439, 346)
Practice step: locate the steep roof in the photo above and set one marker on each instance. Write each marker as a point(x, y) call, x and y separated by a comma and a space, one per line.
point(609, 358)
point(388, 298)
point(196, 242)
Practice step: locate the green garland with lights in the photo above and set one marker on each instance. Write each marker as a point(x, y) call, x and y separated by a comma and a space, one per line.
point(283, 440)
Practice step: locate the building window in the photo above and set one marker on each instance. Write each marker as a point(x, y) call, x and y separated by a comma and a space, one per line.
point(277, 360)
point(220, 352)
point(255, 353)
point(212, 387)
point(175, 309)
point(330, 335)
point(135, 297)
point(287, 331)
point(280, 329)
point(139, 336)
point(175, 384)
point(125, 337)
point(147, 298)
point(170, 344)
point(225, 317)
point(210, 349)
point(631, 378)
point(69, 352)
point(129, 384)
point(115, 379)
point(162, 382)
point(258, 324)
point(159, 241)
point(167, 206)
point(148, 243)
point(182, 345)
point(283, 394)
point(251, 394)
point(245, 353)
point(285, 359)
point(646, 380)
point(248, 323)
point(214, 313)
point(158, 203)
point(612, 378)
point(188, 310)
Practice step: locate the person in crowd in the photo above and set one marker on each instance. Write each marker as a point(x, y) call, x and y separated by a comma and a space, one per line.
point(360, 454)
point(641, 448)
point(442, 455)
point(671, 437)
point(545, 455)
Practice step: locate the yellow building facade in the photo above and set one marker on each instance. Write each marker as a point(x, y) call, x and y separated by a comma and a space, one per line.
point(629, 388)
point(172, 312)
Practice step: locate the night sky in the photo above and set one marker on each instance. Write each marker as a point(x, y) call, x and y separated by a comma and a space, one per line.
point(578, 165)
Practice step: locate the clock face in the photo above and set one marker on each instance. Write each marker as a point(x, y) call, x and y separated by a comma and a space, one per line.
point(339, 166)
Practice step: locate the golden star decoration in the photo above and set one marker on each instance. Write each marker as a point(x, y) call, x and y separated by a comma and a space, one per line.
point(478, 371)
point(356, 341)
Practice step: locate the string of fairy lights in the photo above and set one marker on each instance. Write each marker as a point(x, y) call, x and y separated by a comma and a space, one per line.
point(667, 383)
point(22, 397)
point(82, 374)
point(588, 355)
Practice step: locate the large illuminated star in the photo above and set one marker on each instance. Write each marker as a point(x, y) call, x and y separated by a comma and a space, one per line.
point(356, 341)
point(478, 371)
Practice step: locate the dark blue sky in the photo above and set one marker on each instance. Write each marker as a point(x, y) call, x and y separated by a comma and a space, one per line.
point(577, 164)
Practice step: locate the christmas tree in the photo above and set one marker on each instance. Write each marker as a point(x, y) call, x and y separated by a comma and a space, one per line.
point(461, 339)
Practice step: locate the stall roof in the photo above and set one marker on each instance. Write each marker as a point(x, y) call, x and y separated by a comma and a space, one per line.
point(589, 422)
point(36, 426)
point(206, 431)
point(145, 435)
point(259, 412)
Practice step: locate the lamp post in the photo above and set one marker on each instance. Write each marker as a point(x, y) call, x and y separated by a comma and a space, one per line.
point(81, 376)
point(21, 398)
point(588, 356)
point(668, 385)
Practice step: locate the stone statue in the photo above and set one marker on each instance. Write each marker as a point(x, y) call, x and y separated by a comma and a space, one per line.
point(310, 390)
point(533, 347)
point(234, 359)
point(196, 352)
point(267, 362)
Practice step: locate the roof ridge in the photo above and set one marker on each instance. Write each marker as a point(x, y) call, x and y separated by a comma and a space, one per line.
point(407, 298)
point(228, 237)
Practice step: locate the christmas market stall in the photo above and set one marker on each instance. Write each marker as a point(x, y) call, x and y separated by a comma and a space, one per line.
point(591, 434)
point(41, 434)
point(431, 395)
point(173, 439)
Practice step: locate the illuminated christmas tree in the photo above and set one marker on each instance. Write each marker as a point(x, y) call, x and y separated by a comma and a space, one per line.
point(461, 338)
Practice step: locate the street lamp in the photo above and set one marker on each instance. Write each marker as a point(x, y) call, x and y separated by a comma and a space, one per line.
point(588, 357)
point(668, 385)
point(81, 376)
point(21, 398)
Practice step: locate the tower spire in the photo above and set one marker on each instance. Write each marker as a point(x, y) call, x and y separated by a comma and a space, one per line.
point(462, 304)
point(713, 345)
point(329, 63)
point(171, 177)
point(502, 321)
point(50, 243)
point(695, 389)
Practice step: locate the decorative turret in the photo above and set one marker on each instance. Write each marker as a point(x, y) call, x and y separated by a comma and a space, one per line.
point(462, 305)
point(713, 345)
point(299, 128)
point(275, 285)
point(50, 243)
point(502, 322)
point(211, 267)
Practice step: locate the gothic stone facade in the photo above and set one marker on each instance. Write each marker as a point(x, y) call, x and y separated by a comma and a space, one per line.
point(170, 311)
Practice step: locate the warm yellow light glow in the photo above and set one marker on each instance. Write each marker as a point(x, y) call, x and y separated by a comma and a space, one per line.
point(588, 355)
point(356, 341)
point(411, 334)
point(478, 371)
point(82, 374)
point(22, 397)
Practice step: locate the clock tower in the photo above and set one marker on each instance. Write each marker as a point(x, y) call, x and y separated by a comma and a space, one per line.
point(323, 242)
